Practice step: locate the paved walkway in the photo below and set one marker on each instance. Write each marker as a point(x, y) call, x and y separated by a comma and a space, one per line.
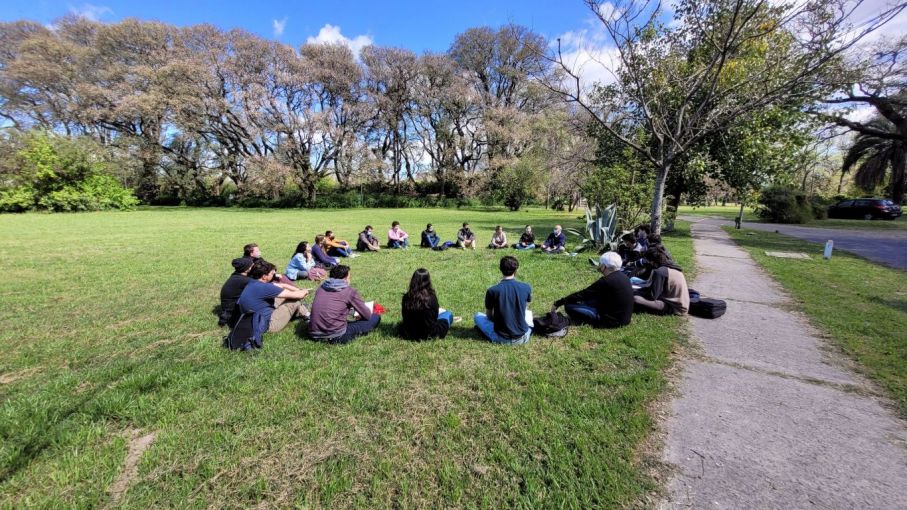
point(887, 247)
point(766, 416)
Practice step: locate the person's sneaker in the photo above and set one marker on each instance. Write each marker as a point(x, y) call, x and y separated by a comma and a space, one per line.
point(353, 255)
point(457, 319)
point(593, 262)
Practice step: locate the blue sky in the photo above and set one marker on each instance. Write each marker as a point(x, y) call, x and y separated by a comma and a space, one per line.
point(417, 25)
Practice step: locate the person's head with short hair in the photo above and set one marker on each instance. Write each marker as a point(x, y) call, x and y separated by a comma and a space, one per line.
point(251, 250)
point(329, 234)
point(654, 240)
point(509, 265)
point(628, 239)
point(609, 262)
point(657, 257)
point(498, 229)
point(428, 227)
point(242, 265)
point(642, 228)
point(465, 224)
point(395, 224)
point(557, 229)
point(368, 228)
point(262, 270)
point(340, 272)
point(319, 239)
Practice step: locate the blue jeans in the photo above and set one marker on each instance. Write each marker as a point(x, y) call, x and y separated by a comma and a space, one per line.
point(486, 326)
point(446, 315)
point(519, 246)
point(398, 244)
point(584, 312)
point(339, 252)
point(357, 328)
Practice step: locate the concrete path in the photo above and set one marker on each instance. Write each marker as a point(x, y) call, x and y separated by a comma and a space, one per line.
point(766, 416)
point(887, 247)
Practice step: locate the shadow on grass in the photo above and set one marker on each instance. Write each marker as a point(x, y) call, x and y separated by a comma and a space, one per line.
point(895, 304)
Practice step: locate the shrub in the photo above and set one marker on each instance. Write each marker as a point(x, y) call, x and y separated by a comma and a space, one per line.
point(781, 204)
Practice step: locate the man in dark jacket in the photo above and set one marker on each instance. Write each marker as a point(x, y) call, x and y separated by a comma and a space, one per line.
point(232, 289)
point(556, 241)
point(607, 303)
point(367, 241)
point(430, 238)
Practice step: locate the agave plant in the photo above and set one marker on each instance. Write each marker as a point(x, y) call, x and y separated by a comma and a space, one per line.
point(601, 230)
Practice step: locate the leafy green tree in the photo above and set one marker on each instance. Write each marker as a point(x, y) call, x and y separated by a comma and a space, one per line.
point(877, 157)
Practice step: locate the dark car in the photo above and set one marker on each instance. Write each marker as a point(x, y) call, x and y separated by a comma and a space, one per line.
point(865, 208)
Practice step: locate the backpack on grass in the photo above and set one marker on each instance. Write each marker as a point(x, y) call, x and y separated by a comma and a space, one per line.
point(707, 308)
point(240, 336)
point(552, 324)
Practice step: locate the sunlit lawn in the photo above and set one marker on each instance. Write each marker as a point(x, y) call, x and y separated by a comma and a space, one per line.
point(731, 211)
point(108, 328)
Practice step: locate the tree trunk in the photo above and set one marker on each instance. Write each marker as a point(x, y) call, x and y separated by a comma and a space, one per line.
point(661, 177)
point(898, 173)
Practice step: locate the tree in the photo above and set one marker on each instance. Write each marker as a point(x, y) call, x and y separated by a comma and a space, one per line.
point(876, 157)
point(878, 80)
point(718, 61)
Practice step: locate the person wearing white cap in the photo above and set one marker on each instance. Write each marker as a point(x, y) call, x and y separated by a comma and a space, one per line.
point(607, 303)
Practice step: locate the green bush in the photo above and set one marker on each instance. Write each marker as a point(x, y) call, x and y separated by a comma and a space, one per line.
point(781, 204)
point(60, 174)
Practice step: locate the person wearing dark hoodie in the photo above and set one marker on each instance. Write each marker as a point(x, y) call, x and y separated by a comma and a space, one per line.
point(232, 289)
point(334, 299)
point(367, 241)
point(430, 238)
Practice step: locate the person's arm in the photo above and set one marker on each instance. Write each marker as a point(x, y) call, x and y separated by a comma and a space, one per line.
point(589, 293)
point(503, 239)
point(489, 304)
point(292, 293)
point(359, 305)
point(460, 235)
point(392, 236)
point(403, 234)
point(562, 240)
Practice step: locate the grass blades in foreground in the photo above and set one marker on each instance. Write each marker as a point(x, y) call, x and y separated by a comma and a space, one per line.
point(108, 328)
point(860, 305)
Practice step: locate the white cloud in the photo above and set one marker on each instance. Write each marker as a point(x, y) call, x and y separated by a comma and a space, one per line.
point(330, 34)
point(279, 25)
point(588, 54)
point(90, 11)
point(862, 114)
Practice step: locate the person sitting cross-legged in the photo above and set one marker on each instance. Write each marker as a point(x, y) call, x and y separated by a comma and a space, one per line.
point(527, 240)
point(666, 292)
point(422, 317)
point(367, 241)
point(334, 299)
point(607, 303)
point(498, 239)
point(337, 247)
point(556, 242)
point(319, 253)
point(397, 237)
point(506, 319)
point(271, 305)
point(430, 238)
point(466, 238)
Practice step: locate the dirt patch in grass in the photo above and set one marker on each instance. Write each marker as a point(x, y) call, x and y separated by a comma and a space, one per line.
point(11, 377)
point(138, 443)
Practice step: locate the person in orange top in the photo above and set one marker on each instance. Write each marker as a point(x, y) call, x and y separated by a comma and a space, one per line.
point(336, 247)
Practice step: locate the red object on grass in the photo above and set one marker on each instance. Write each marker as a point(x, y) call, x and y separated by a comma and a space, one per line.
point(378, 309)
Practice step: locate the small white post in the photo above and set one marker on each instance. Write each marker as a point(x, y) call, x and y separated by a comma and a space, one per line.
point(829, 246)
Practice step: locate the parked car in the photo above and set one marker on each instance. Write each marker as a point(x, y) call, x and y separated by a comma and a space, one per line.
point(865, 208)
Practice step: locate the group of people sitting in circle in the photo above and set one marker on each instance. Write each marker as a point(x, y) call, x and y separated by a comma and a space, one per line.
point(397, 238)
point(639, 276)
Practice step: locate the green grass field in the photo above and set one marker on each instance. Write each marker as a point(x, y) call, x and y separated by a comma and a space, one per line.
point(108, 330)
point(860, 305)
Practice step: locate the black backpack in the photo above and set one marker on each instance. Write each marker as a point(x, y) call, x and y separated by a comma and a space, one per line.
point(240, 336)
point(707, 308)
point(552, 324)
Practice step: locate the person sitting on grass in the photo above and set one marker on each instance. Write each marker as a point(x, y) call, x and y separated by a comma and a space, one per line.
point(396, 237)
point(607, 303)
point(642, 233)
point(302, 265)
point(430, 238)
point(506, 319)
point(252, 251)
point(319, 252)
point(422, 318)
point(367, 241)
point(498, 239)
point(527, 240)
point(332, 304)
point(271, 305)
point(666, 290)
point(556, 241)
point(336, 247)
point(232, 289)
point(630, 250)
point(466, 238)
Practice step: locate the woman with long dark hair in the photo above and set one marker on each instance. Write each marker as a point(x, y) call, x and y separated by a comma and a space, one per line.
point(302, 264)
point(422, 318)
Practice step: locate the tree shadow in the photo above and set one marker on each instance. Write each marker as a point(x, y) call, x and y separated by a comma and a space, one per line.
point(896, 304)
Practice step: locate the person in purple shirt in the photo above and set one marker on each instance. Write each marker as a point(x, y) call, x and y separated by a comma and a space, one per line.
point(319, 251)
point(334, 299)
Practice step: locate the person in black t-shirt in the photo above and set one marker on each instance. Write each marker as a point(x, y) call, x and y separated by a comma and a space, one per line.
point(607, 303)
point(422, 317)
point(232, 289)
